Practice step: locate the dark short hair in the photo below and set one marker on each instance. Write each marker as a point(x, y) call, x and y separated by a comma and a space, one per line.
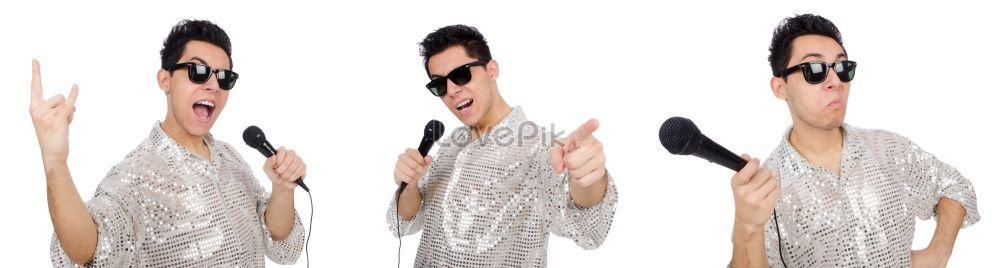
point(193, 30)
point(793, 27)
point(461, 35)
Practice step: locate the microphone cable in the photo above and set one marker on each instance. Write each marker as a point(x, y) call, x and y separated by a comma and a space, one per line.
point(778, 230)
point(309, 235)
point(399, 236)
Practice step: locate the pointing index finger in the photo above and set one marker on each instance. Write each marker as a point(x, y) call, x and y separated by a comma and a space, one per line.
point(36, 83)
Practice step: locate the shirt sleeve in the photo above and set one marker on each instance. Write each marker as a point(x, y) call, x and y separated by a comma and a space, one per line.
point(116, 239)
point(587, 227)
point(930, 179)
point(287, 251)
point(401, 227)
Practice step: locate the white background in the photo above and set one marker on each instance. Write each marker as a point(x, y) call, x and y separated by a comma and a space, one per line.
point(343, 85)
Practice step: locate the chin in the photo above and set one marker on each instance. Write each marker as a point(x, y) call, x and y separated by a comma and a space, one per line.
point(833, 124)
point(470, 122)
point(200, 131)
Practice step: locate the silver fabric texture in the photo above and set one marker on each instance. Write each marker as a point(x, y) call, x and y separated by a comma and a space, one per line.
point(865, 216)
point(163, 206)
point(493, 202)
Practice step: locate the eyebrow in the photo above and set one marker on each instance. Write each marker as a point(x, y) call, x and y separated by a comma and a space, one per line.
point(198, 59)
point(435, 76)
point(841, 55)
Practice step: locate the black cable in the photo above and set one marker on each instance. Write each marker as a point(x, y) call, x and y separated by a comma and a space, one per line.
point(309, 235)
point(399, 251)
point(778, 230)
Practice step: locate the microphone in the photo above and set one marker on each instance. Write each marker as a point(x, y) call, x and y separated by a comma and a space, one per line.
point(432, 133)
point(681, 137)
point(254, 137)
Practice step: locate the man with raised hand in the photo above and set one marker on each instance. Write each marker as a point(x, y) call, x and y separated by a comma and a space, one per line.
point(181, 198)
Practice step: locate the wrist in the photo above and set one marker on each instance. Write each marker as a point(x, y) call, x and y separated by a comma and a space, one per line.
point(939, 249)
point(55, 169)
point(748, 228)
point(281, 190)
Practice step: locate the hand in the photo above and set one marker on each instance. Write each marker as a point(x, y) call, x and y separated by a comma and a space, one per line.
point(283, 168)
point(929, 257)
point(581, 154)
point(51, 118)
point(410, 167)
point(755, 191)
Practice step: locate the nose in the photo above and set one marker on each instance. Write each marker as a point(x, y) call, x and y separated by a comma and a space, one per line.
point(832, 81)
point(453, 89)
point(213, 82)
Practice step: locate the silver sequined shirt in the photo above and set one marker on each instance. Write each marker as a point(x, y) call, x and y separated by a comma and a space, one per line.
point(493, 202)
point(864, 216)
point(163, 206)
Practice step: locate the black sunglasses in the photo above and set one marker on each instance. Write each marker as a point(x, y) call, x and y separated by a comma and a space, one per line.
point(199, 74)
point(460, 76)
point(815, 72)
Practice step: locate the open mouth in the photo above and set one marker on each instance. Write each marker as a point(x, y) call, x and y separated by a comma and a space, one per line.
point(203, 109)
point(464, 105)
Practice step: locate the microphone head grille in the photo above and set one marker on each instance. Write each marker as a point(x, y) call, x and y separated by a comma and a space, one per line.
point(253, 136)
point(676, 135)
point(434, 130)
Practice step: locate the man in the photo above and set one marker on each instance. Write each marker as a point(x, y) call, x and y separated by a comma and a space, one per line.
point(181, 198)
point(496, 187)
point(841, 195)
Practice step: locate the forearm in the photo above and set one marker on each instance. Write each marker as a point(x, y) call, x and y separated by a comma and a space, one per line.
point(279, 216)
point(72, 222)
point(589, 196)
point(409, 202)
point(748, 247)
point(950, 214)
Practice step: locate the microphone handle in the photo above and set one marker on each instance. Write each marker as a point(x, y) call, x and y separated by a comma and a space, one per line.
point(715, 153)
point(424, 148)
point(269, 151)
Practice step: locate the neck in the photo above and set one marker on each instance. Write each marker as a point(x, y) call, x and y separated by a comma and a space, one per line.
point(497, 112)
point(192, 143)
point(819, 146)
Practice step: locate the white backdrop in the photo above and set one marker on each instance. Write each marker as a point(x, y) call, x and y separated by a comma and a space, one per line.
point(343, 85)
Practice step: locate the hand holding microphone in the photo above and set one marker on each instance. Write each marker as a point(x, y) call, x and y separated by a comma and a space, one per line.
point(755, 188)
point(285, 168)
point(412, 164)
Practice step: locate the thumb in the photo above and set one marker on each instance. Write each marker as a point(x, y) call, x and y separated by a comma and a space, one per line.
point(556, 159)
point(271, 162)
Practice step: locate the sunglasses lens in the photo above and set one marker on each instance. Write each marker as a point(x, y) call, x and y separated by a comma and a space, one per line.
point(814, 72)
point(438, 86)
point(461, 75)
point(845, 70)
point(198, 73)
point(227, 79)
